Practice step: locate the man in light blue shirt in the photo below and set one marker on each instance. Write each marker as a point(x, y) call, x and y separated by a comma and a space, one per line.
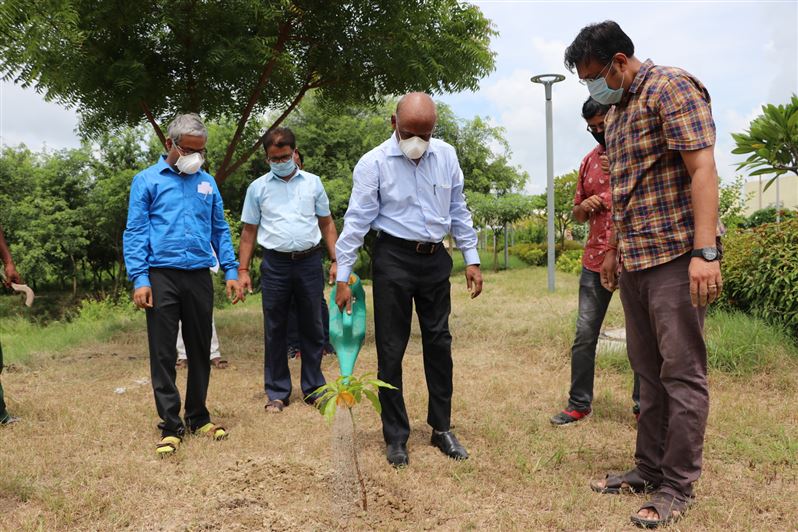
point(410, 190)
point(175, 224)
point(288, 212)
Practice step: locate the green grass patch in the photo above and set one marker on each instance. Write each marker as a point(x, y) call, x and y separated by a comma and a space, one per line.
point(740, 344)
point(737, 344)
point(96, 321)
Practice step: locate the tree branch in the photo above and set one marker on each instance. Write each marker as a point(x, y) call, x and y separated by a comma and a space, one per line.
point(282, 37)
point(298, 98)
point(153, 123)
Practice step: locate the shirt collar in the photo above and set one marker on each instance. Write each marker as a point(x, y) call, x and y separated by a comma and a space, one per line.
point(162, 165)
point(645, 68)
point(270, 176)
point(395, 151)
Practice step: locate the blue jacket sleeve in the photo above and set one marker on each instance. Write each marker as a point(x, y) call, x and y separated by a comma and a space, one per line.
point(220, 238)
point(136, 239)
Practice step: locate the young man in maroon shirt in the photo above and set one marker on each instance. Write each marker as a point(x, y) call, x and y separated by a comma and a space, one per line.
point(592, 204)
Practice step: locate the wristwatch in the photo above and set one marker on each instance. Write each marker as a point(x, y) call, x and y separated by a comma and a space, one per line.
point(708, 254)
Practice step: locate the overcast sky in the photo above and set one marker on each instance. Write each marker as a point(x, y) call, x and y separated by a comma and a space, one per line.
point(746, 53)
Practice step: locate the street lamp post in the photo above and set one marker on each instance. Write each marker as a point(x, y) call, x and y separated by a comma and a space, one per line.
point(547, 80)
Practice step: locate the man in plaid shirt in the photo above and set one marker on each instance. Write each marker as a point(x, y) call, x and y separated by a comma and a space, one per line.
point(660, 139)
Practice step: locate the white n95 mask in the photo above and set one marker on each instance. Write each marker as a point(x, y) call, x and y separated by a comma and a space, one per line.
point(414, 147)
point(190, 164)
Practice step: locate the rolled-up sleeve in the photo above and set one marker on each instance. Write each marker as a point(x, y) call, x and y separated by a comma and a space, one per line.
point(462, 229)
point(220, 238)
point(364, 206)
point(136, 238)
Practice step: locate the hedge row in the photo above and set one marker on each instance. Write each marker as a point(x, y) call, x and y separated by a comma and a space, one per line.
point(760, 272)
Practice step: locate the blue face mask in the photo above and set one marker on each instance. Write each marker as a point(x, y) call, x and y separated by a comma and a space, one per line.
point(602, 93)
point(284, 169)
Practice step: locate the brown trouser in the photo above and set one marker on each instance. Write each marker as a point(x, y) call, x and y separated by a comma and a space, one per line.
point(665, 341)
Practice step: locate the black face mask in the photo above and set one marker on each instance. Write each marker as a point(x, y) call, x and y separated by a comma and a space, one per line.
point(599, 136)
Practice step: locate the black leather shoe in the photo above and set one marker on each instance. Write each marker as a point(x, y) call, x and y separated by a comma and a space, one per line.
point(448, 444)
point(397, 454)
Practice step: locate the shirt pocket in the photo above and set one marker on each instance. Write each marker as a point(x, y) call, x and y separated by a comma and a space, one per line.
point(442, 189)
point(202, 205)
point(307, 204)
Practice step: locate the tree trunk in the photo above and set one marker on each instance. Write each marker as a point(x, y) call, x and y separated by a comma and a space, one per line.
point(495, 253)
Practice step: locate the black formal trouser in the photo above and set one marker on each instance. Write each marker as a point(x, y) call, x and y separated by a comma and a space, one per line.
point(403, 277)
point(187, 296)
point(302, 280)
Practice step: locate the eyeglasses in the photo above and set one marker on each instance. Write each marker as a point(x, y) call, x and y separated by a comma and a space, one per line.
point(188, 151)
point(281, 158)
point(585, 81)
point(595, 129)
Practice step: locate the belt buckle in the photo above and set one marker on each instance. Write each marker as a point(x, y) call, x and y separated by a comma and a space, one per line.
point(420, 248)
point(293, 255)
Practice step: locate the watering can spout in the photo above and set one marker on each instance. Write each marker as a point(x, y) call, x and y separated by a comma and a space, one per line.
point(348, 331)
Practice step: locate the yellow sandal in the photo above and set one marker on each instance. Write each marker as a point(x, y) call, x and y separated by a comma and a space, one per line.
point(167, 446)
point(216, 432)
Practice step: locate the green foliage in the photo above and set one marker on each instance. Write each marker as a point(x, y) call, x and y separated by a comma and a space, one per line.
point(570, 261)
point(564, 191)
point(741, 345)
point(532, 254)
point(771, 141)
point(347, 392)
point(732, 203)
point(117, 60)
point(537, 254)
point(768, 216)
point(495, 212)
point(759, 272)
point(531, 230)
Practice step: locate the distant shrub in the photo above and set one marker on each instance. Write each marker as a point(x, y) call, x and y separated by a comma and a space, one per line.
point(570, 261)
point(532, 254)
point(760, 272)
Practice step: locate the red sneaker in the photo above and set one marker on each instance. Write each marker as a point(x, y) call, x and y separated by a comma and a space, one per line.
point(569, 416)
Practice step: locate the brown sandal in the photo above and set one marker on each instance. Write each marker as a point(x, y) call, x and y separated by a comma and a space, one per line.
point(629, 482)
point(275, 406)
point(669, 509)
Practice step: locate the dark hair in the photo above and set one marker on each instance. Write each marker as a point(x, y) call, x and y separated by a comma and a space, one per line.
point(598, 41)
point(301, 157)
point(592, 108)
point(279, 136)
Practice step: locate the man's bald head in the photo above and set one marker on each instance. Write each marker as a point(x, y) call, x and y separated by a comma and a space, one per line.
point(415, 116)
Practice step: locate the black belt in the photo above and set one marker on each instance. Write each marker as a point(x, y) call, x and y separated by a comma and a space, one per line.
point(295, 255)
point(422, 248)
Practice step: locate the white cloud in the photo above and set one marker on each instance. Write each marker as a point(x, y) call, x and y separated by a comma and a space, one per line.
point(26, 118)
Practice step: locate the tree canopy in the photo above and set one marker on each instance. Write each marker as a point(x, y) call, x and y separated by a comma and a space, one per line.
point(771, 141)
point(118, 62)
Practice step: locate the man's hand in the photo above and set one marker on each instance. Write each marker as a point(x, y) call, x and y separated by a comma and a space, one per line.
point(343, 297)
point(245, 281)
point(705, 281)
point(609, 270)
point(605, 164)
point(12, 276)
point(142, 297)
point(592, 204)
point(333, 273)
point(235, 292)
point(473, 277)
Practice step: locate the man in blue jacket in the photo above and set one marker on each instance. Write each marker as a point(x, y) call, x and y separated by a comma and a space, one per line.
point(175, 224)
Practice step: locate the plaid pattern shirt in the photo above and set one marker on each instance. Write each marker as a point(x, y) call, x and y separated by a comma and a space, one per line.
point(666, 110)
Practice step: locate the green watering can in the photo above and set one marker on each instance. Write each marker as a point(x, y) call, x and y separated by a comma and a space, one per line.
point(348, 331)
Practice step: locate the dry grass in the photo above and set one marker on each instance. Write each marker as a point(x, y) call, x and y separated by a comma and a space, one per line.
point(83, 456)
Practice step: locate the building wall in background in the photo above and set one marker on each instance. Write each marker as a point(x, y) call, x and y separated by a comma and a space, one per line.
point(788, 193)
